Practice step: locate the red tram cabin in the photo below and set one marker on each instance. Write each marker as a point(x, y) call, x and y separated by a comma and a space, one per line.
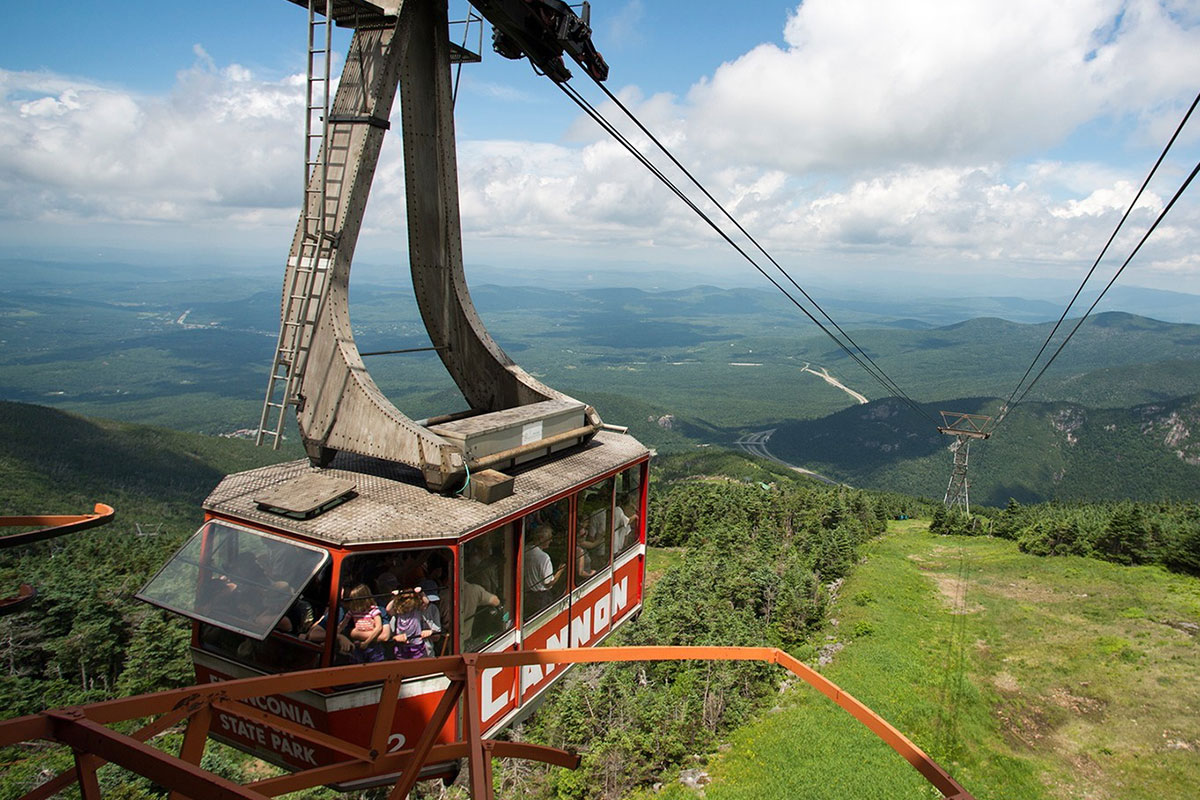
point(274, 582)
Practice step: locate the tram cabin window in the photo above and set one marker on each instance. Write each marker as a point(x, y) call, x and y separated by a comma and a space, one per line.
point(593, 530)
point(486, 597)
point(626, 524)
point(369, 582)
point(255, 595)
point(544, 574)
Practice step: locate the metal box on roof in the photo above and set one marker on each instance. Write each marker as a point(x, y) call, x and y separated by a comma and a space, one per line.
point(487, 435)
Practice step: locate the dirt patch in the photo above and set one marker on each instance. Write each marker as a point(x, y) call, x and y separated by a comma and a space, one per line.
point(1173, 740)
point(1006, 683)
point(1087, 779)
point(1079, 704)
point(1026, 590)
point(954, 594)
point(1023, 725)
point(257, 769)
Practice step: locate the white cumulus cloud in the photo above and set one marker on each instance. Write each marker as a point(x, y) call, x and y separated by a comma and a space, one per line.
point(927, 132)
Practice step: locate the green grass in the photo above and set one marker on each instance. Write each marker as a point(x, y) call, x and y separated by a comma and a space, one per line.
point(660, 560)
point(1065, 678)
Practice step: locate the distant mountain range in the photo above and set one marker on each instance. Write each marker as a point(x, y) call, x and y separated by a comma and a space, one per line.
point(698, 365)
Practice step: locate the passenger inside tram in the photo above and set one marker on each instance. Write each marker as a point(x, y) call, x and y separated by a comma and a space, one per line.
point(543, 581)
point(625, 512)
point(593, 531)
point(476, 601)
point(364, 625)
point(432, 614)
point(488, 586)
point(583, 564)
point(408, 625)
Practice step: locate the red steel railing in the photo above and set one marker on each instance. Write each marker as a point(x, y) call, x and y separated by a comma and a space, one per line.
point(85, 728)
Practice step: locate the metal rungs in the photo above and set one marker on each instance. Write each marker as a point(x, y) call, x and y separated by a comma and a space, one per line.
point(289, 359)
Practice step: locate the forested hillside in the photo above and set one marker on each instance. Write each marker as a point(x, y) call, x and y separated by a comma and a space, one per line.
point(744, 552)
point(681, 367)
point(1043, 451)
point(91, 639)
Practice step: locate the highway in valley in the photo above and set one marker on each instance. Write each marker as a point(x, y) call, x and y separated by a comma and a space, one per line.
point(756, 445)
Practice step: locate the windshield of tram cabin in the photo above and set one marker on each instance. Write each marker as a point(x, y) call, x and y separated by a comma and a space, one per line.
point(234, 578)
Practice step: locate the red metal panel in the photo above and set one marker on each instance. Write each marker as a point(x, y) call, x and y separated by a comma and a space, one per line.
point(411, 716)
point(628, 579)
point(499, 693)
point(552, 634)
point(591, 612)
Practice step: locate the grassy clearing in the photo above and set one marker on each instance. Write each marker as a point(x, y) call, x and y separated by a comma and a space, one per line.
point(1025, 677)
point(659, 560)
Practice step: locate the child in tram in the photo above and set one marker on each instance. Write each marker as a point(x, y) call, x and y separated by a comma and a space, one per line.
point(366, 625)
point(408, 626)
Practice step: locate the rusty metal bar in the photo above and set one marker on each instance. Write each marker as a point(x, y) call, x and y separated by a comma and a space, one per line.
point(73, 728)
point(110, 711)
point(420, 752)
point(57, 525)
point(81, 729)
point(480, 788)
point(89, 784)
point(489, 747)
point(24, 729)
point(535, 752)
point(192, 749)
point(384, 715)
point(914, 755)
point(53, 786)
point(70, 776)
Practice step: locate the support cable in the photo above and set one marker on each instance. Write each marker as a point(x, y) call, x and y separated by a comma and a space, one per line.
point(1113, 280)
point(878, 374)
point(738, 225)
point(1007, 404)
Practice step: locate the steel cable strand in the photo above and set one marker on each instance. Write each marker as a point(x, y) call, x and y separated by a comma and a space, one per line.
point(616, 134)
point(882, 378)
point(895, 388)
point(1006, 408)
point(1113, 280)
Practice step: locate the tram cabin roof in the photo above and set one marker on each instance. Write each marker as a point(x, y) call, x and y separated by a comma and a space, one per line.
point(390, 504)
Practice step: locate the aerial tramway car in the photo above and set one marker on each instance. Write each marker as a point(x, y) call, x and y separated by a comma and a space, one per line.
point(282, 548)
point(402, 538)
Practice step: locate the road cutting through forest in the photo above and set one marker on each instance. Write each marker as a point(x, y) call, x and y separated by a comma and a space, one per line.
point(832, 381)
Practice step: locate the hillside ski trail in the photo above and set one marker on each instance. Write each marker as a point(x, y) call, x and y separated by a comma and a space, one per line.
point(832, 381)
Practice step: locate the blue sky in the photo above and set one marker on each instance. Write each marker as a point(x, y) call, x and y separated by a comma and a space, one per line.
point(854, 137)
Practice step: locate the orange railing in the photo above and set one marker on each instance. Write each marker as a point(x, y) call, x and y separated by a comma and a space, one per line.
point(52, 525)
point(85, 730)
